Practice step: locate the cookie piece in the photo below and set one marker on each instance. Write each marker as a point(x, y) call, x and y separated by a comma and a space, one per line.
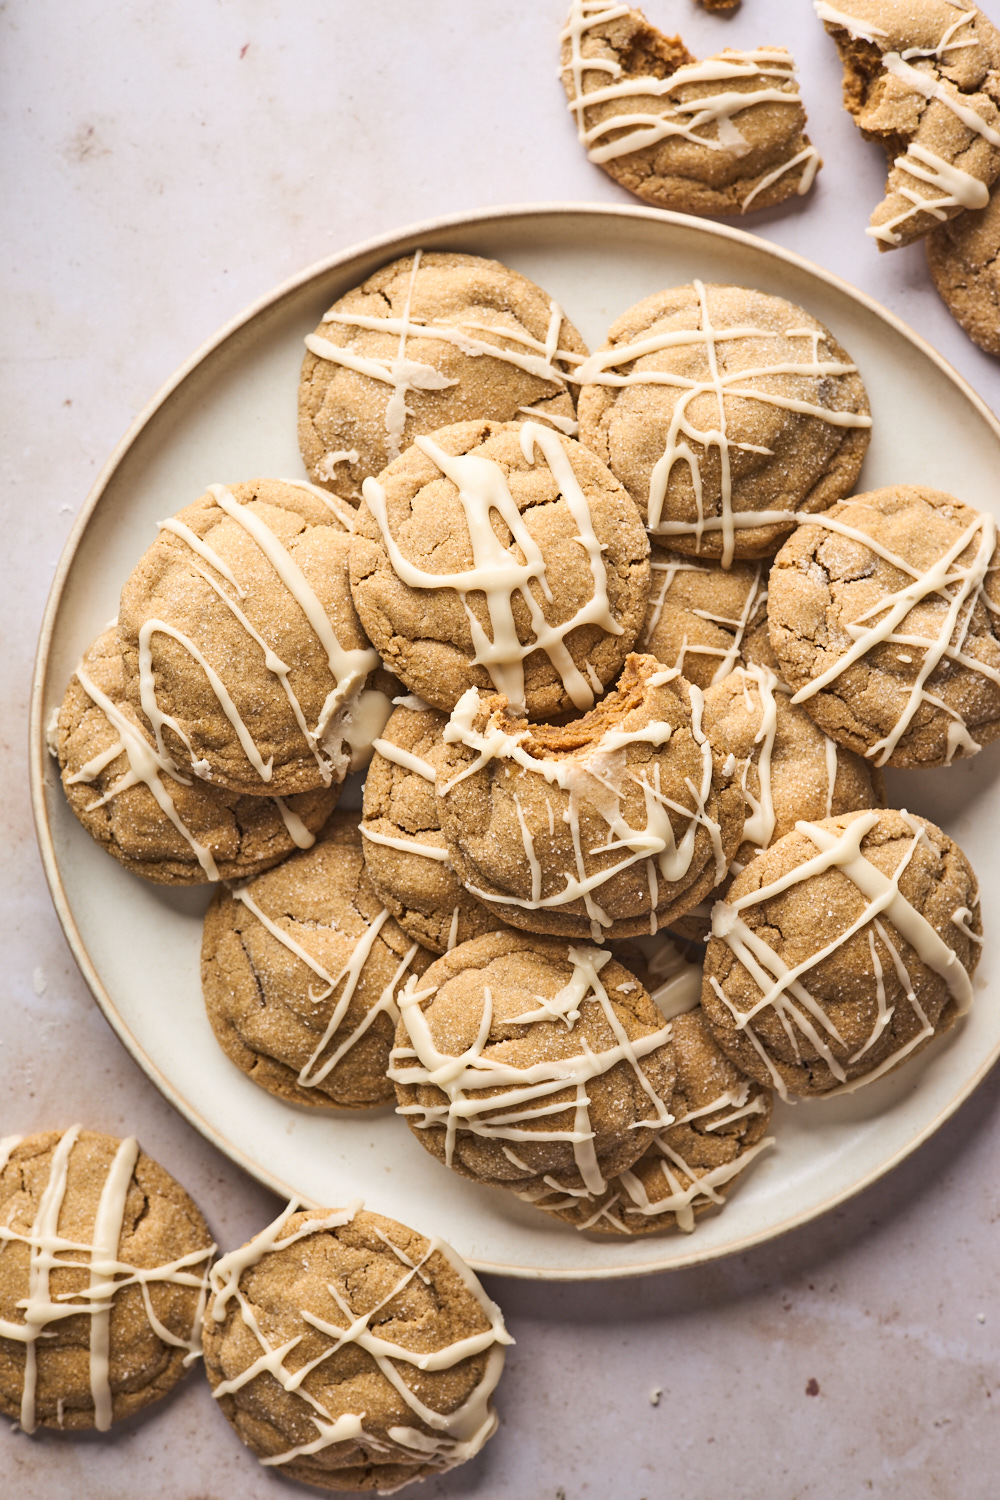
point(428, 341)
point(243, 654)
point(841, 951)
point(720, 4)
point(726, 413)
point(157, 822)
point(300, 971)
point(352, 1353)
point(883, 616)
point(500, 555)
point(924, 79)
point(964, 260)
point(521, 1061)
point(605, 827)
point(714, 137)
point(406, 854)
point(700, 614)
point(102, 1279)
point(720, 1119)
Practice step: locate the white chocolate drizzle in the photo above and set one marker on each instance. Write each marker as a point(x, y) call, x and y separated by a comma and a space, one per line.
point(314, 1071)
point(528, 1092)
point(49, 1251)
point(957, 188)
point(782, 988)
point(498, 574)
point(597, 778)
point(953, 590)
point(453, 1437)
point(729, 657)
point(604, 368)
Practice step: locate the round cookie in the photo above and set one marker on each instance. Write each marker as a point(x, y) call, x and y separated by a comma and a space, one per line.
point(842, 950)
point(924, 79)
point(81, 1213)
point(505, 556)
point(243, 654)
point(301, 970)
point(606, 827)
point(427, 341)
point(352, 1353)
point(521, 1061)
point(406, 854)
point(719, 136)
point(726, 413)
point(964, 260)
point(883, 617)
point(165, 826)
point(700, 615)
point(719, 1122)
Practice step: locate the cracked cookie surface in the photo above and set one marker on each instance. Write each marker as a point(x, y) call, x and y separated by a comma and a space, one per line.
point(964, 261)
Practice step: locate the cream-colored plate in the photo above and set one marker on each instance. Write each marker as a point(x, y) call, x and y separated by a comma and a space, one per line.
point(229, 414)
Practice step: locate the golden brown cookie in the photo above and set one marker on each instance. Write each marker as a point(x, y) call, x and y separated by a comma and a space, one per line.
point(883, 615)
point(504, 556)
point(924, 79)
point(243, 653)
point(842, 950)
point(608, 826)
point(720, 1119)
point(726, 413)
point(701, 616)
point(964, 260)
point(160, 823)
point(406, 854)
point(352, 1353)
point(521, 1061)
point(714, 137)
point(103, 1274)
point(427, 341)
point(300, 971)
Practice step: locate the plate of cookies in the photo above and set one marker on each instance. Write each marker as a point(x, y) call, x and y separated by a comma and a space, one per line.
point(530, 673)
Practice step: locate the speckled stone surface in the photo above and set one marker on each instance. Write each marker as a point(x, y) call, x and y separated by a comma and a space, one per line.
point(165, 166)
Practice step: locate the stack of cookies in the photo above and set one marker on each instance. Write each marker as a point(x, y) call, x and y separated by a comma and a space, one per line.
point(627, 657)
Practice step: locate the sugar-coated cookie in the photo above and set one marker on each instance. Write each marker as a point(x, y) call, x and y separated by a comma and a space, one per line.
point(719, 136)
point(964, 260)
point(702, 618)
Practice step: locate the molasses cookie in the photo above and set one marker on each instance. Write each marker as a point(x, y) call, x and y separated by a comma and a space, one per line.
point(883, 616)
point(300, 971)
point(720, 1119)
point(701, 616)
point(964, 260)
point(159, 822)
point(714, 137)
point(406, 854)
point(726, 413)
point(841, 950)
point(351, 1353)
point(242, 650)
point(607, 826)
point(924, 79)
point(428, 341)
point(503, 556)
point(522, 1061)
point(103, 1274)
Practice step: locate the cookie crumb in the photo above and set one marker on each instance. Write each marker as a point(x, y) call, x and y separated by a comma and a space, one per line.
point(812, 1387)
point(655, 1394)
point(39, 981)
point(980, 1317)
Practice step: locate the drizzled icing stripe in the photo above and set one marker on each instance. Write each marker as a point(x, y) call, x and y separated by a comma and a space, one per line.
point(454, 1436)
point(957, 587)
point(49, 1251)
point(528, 1091)
point(933, 88)
point(603, 369)
point(597, 779)
point(313, 1071)
point(958, 189)
point(781, 986)
point(729, 657)
point(496, 572)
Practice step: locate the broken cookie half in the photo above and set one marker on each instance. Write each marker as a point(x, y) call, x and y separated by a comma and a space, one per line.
point(924, 79)
point(715, 137)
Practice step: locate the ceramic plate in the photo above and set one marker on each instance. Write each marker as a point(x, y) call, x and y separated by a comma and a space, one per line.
point(230, 414)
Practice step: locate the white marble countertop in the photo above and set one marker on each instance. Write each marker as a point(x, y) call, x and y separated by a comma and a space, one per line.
point(165, 165)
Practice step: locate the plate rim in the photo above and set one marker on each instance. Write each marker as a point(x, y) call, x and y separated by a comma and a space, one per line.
point(39, 759)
